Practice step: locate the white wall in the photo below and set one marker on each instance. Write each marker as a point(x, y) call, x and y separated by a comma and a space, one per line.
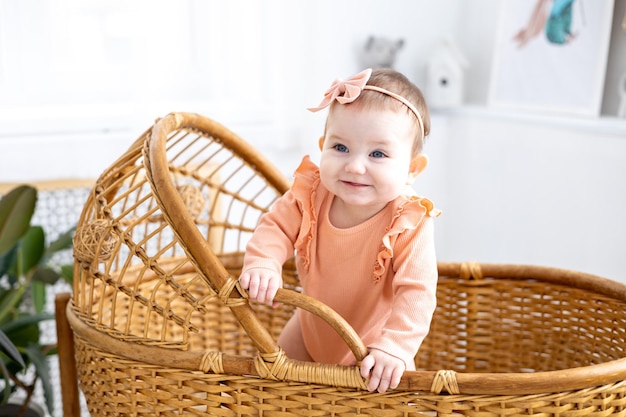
point(531, 190)
point(76, 90)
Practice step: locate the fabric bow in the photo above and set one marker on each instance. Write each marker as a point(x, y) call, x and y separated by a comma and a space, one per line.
point(344, 91)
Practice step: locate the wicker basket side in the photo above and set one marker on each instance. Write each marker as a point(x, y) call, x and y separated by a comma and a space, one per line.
point(122, 376)
point(529, 328)
point(116, 386)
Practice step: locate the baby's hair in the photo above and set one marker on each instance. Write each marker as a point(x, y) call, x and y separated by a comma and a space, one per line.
point(399, 84)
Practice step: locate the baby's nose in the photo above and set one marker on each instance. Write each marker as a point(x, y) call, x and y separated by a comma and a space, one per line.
point(355, 165)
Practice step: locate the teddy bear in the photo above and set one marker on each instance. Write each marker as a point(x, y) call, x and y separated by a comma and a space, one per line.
point(380, 52)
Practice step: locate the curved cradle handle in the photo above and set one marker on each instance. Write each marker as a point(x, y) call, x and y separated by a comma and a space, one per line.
point(198, 249)
point(330, 316)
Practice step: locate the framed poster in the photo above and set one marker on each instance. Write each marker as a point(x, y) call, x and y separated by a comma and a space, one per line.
point(551, 55)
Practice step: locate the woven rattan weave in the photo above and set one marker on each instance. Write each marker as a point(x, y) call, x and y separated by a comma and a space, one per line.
point(161, 327)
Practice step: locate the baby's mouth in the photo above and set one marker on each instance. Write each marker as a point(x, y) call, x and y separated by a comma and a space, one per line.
point(353, 184)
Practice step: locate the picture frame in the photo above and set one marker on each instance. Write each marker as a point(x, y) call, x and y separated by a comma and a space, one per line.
point(551, 55)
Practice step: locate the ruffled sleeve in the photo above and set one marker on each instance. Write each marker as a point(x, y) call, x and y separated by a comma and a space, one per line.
point(305, 190)
point(408, 214)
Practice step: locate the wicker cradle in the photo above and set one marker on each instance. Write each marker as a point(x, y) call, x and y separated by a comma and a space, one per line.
point(161, 328)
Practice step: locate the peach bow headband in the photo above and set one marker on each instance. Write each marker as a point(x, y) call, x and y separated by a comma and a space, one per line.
point(346, 91)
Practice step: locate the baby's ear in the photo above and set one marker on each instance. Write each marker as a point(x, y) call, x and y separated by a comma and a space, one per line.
point(418, 165)
point(320, 142)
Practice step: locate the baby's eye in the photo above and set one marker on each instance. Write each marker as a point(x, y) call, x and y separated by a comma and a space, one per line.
point(378, 154)
point(341, 148)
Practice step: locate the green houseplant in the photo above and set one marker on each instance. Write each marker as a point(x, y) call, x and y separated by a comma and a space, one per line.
point(25, 271)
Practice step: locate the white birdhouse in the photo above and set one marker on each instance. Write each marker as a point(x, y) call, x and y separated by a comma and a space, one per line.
point(445, 75)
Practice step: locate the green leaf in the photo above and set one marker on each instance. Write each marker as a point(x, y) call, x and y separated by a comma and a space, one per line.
point(7, 261)
point(6, 392)
point(38, 358)
point(9, 300)
point(31, 250)
point(63, 242)
point(67, 272)
point(9, 348)
point(25, 320)
point(16, 210)
point(23, 334)
point(46, 275)
point(38, 293)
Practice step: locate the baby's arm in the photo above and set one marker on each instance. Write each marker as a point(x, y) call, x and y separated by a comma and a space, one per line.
point(261, 283)
point(382, 370)
point(271, 244)
point(414, 287)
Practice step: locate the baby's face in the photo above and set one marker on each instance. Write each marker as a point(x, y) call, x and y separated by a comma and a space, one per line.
point(366, 155)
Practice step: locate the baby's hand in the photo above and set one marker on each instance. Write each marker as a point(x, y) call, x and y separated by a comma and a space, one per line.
point(382, 370)
point(261, 284)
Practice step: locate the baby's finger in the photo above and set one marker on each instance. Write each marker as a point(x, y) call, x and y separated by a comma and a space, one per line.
point(366, 366)
point(385, 380)
point(373, 382)
point(395, 378)
point(376, 378)
point(272, 289)
point(253, 288)
point(244, 281)
point(261, 290)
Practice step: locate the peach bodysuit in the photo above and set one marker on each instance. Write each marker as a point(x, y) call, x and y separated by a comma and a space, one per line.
point(380, 275)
